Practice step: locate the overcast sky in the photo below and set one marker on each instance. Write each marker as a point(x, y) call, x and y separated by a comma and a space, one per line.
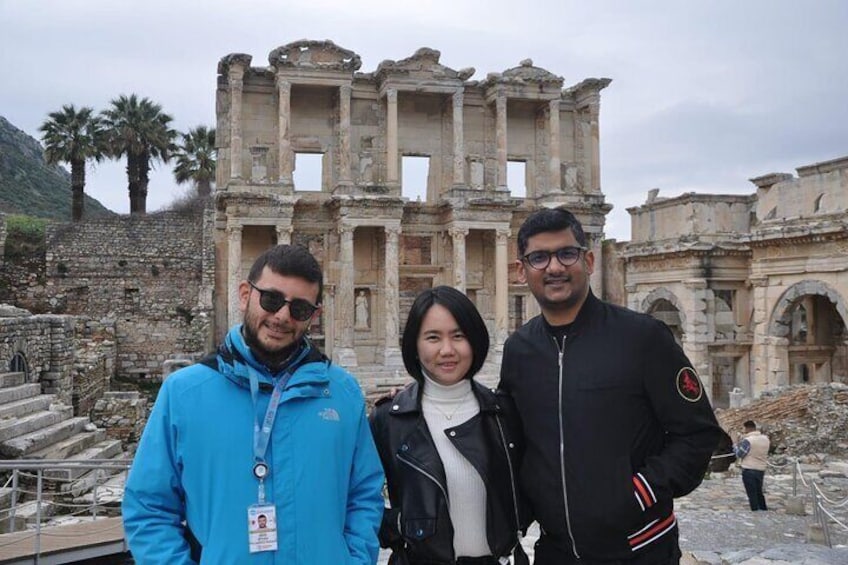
point(705, 94)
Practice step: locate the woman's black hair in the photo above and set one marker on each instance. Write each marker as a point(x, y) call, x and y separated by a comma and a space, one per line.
point(466, 316)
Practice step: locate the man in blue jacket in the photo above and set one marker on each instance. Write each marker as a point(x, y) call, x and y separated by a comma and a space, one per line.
point(266, 428)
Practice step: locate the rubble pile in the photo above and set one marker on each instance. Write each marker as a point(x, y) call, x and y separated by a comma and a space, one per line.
point(799, 420)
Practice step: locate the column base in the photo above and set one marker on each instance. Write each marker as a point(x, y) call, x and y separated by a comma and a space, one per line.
point(345, 357)
point(392, 357)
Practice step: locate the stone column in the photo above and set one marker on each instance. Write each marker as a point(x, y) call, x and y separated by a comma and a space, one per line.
point(500, 138)
point(391, 136)
point(458, 139)
point(458, 237)
point(344, 134)
point(285, 161)
point(233, 272)
point(392, 354)
point(345, 354)
point(284, 234)
point(501, 287)
point(593, 145)
point(236, 74)
point(553, 145)
point(696, 339)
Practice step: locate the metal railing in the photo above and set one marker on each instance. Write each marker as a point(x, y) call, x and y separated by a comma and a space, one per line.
point(68, 494)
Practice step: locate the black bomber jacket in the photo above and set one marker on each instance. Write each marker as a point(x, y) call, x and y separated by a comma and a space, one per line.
point(417, 526)
point(616, 425)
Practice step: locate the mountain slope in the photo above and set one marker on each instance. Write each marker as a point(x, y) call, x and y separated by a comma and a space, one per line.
point(30, 186)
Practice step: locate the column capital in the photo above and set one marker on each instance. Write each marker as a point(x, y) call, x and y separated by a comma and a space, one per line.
point(391, 94)
point(234, 229)
point(282, 82)
point(458, 232)
point(459, 94)
point(345, 229)
point(393, 230)
point(503, 234)
point(345, 89)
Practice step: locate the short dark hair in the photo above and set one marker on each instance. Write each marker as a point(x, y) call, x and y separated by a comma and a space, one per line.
point(289, 261)
point(466, 316)
point(750, 425)
point(546, 220)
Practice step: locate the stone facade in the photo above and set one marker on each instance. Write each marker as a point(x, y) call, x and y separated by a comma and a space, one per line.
point(374, 241)
point(754, 287)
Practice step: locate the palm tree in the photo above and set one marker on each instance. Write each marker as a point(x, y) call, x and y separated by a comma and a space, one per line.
point(140, 130)
point(73, 136)
point(196, 159)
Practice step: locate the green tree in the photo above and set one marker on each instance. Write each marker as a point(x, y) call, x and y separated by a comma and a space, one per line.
point(73, 136)
point(138, 129)
point(196, 159)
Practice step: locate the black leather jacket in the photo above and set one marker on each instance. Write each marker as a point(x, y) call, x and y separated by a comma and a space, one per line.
point(417, 527)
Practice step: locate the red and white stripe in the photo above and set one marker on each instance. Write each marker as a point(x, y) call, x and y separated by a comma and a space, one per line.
point(652, 532)
point(644, 493)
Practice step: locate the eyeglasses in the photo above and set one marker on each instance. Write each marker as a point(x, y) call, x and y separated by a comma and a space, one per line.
point(271, 301)
point(566, 256)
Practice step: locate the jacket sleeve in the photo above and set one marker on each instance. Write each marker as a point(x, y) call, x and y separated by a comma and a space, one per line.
point(153, 507)
point(390, 531)
point(365, 498)
point(680, 404)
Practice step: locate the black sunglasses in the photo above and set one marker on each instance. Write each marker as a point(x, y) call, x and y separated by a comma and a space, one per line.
point(567, 256)
point(272, 300)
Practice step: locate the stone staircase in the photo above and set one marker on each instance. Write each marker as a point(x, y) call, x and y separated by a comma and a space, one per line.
point(34, 426)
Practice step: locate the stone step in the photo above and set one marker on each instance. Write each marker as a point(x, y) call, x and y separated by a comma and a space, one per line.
point(11, 379)
point(39, 439)
point(6, 497)
point(34, 422)
point(70, 446)
point(103, 450)
point(11, 394)
point(19, 408)
point(110, 492)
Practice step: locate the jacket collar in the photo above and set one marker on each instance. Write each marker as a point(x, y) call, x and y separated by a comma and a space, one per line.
point(236, 360)
point(408, 400)
point(587, 313)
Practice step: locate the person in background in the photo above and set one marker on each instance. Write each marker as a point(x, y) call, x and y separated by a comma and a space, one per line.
point(267, 431)
point(752, 452)
point(450, 447)
point(616, 423)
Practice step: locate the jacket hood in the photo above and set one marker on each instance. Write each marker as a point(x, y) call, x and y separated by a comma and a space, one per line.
point(236, 361)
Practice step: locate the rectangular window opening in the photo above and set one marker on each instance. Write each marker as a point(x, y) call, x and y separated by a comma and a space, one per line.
point(415, 170)
point(308, 172)
point(516, 178)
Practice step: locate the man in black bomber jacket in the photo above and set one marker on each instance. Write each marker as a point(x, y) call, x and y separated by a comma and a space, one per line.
point(615, 419)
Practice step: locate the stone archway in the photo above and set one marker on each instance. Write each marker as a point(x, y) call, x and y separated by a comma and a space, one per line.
point(811, 318)
point(664, 305)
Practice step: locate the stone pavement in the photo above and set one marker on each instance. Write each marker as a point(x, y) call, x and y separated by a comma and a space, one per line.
point(717, 528)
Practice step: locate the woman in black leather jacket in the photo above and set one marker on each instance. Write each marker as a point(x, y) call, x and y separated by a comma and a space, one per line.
point(450, 447)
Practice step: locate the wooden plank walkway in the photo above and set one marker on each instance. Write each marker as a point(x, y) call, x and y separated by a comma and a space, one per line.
point(65, 544)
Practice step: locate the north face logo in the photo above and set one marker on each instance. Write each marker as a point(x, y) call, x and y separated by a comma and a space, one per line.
point(329, 414)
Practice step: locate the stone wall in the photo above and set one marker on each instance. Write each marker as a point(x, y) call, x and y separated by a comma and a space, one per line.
point(149, 277)
point(94, 363)
point(45, 342)
point(123, 414)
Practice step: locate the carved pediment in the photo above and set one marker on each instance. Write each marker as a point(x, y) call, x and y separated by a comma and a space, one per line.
point(422, 65)
point(227, 61)
point(309, 54)
point(525, 73)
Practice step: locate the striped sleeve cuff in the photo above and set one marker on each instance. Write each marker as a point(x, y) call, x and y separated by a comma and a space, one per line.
point(644, 493)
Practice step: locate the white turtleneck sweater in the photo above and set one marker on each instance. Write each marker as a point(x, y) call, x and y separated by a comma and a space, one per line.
point(446, 407)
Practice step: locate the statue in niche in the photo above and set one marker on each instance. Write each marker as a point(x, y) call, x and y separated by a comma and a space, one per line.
point(366, 162)
point(361, 311)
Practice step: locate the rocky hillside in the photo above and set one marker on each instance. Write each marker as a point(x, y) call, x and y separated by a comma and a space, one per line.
point(799, 420)
point(30, 186)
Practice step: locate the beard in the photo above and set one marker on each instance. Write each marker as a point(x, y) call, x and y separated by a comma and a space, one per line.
point(273, 358)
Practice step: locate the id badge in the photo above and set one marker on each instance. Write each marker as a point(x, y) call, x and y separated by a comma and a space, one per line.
point(262, 527)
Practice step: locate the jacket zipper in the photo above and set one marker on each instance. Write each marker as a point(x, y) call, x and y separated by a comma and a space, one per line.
point(511, 479)
point(429, 476)
point(561, 352)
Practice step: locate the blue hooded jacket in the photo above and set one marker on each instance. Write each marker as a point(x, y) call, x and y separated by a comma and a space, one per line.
point(194, 466)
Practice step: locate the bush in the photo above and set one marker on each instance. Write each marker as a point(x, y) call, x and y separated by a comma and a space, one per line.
point(25, 237)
